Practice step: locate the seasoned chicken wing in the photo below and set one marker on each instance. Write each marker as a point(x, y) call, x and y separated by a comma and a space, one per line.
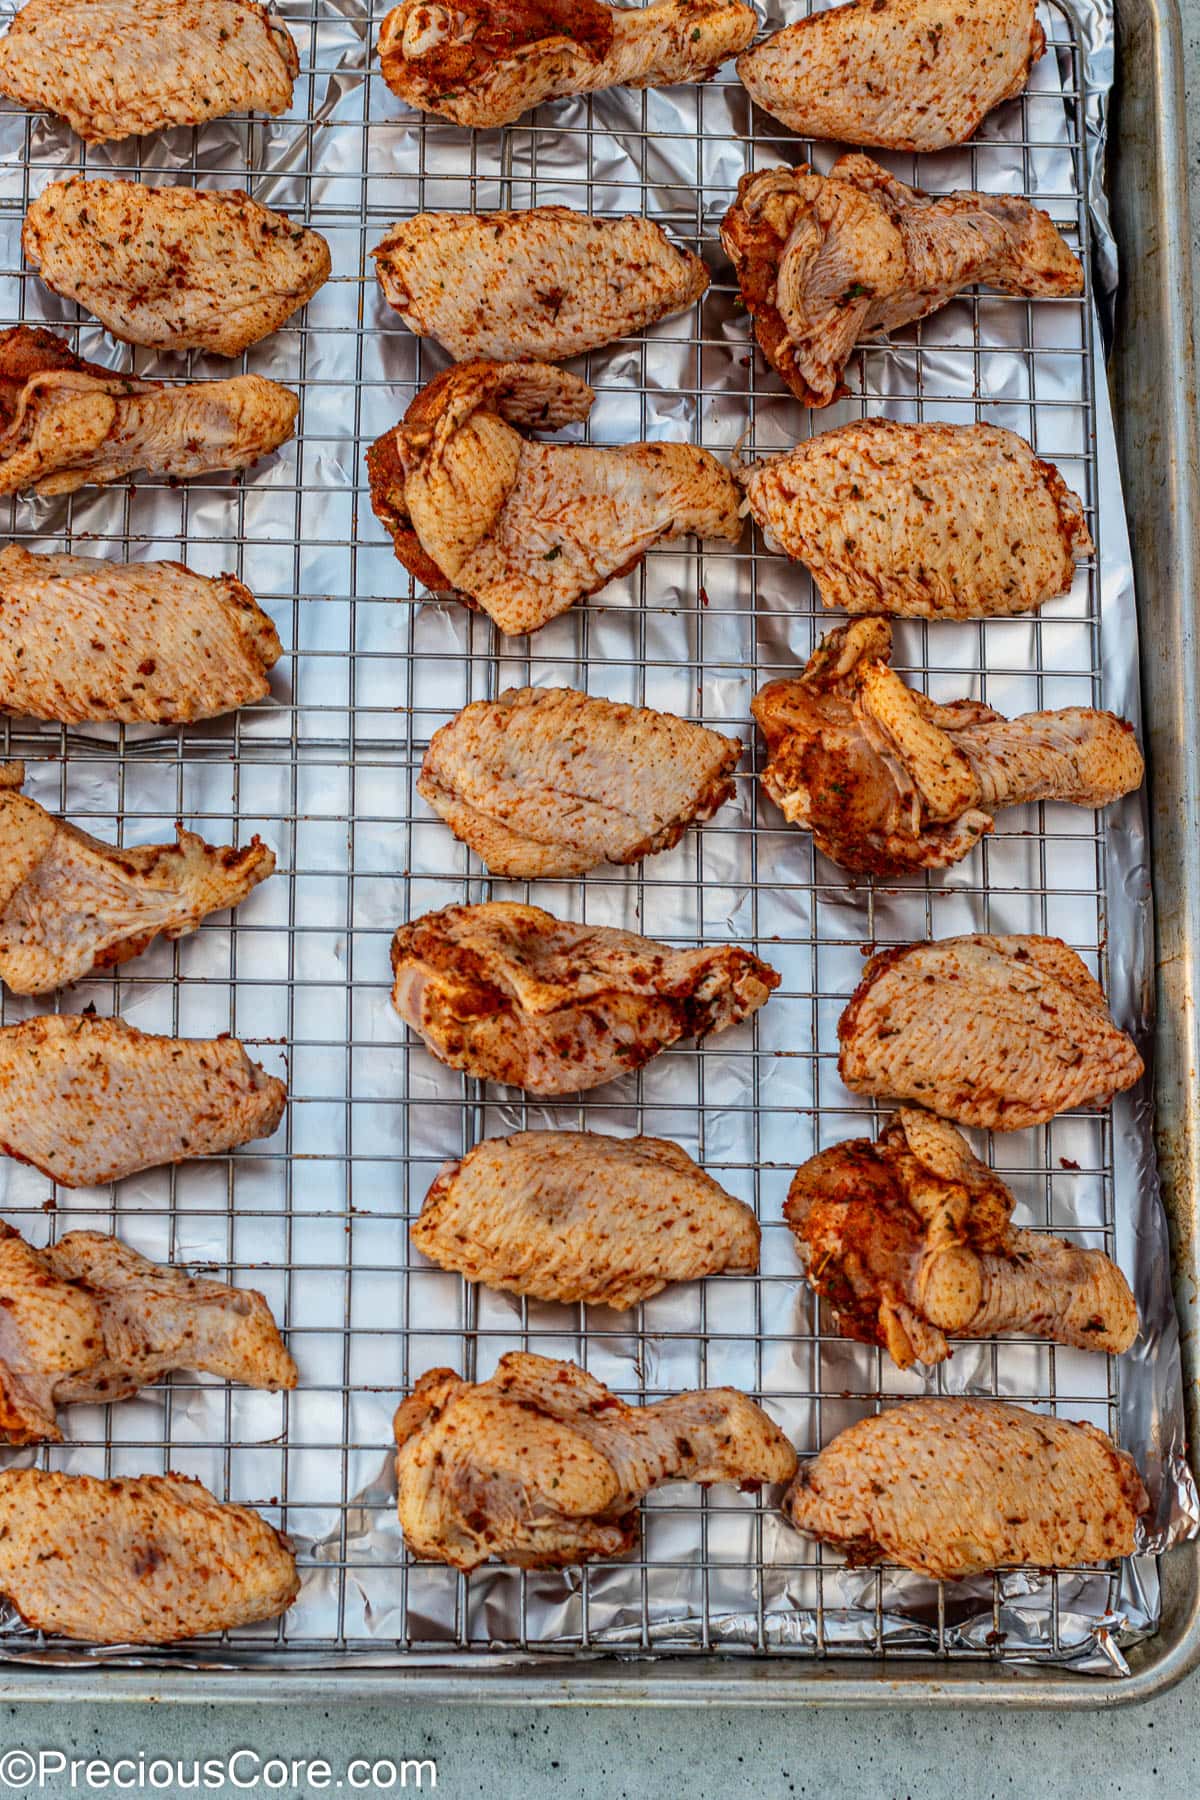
point(572, 1215)
point(83, 639)
point(69, 903)
point(172, 267)
point(549, 781)
point(825, 260)
point(953, 1488)
point(548, 283)
point(485, 62)
point(146, 1560)
point(526, 529)
point(888, 781)
point(66, 423)
point(543, 1467)
point(924, 521)
point(90, 1319)
point(911, 1241)
point(1002, 1032)
point(904, 74)
point(120, 68)
point(510, 993)
point(89, 1100)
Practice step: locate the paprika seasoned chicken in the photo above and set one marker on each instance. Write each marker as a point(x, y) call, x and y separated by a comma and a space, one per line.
point(66, 423)
point(510, 993)
point(825, 260)
point(69, 903)
point(549, 781)
point(82, 639)
point(953, 1488)
point(543, 1467)
point(91, 1320)
point(172, 267)
point(149, 1559)
point(1002, 1032)
point(924, 521)
point(888, 781)
point(903, 74)
point(485, 62)
point(89, 1100)
point(525, 529)
point(911, 1241)
point(573, 1215)
point(548, 283)
point(120, 68)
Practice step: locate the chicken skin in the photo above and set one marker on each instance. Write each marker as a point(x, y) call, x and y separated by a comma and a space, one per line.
point(952, 1488)
point(69, 903)
point(171, 267)
point(902, 74)
point(1000, 1032)
point(89, 1100)
point(66, 423)
point(825, 260)
point(923, 521)
point(525, 529)
point(485, 62)
point(549, 781)
point(120, 68)
point(549, 283)
point(151, 1559)
point(82, 640)
point(89, 1319)
point(573, 1215)
point(543, 1467)
point(889, 782)
point(509, 993)
point(911, 1240)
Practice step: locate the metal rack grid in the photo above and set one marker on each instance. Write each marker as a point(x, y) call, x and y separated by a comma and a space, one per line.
point(326, 769)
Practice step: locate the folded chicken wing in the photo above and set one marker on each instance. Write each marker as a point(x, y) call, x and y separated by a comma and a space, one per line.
point(526, 529)
point(1002, 1032)
point(953, 1488)
point(543, 1467)
point(548, 781)
point(925, 521)
point(89, 1100)
point(485, 62)
point(510, 993)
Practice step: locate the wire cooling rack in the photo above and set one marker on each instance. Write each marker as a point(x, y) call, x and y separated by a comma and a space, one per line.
point(325, 770)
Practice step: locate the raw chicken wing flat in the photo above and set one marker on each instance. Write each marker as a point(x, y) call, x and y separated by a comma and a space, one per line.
point(904, 74)
point(90, 1320)
point(82, 639)
point(151, 1559)
point(120, 68)
point(924, 521)
point(826, 260)
point(69, 903)
point(887, 781)
point(510, 993)
point(549, 781)
point(573, 1215)
point(525, 529)
point(172, 267)
point(548, 283)
point(89, 1100)
point(952, 1488)
point(543, 1467)
point(485, 62)
point(1001, 1032)
point(911, 1241)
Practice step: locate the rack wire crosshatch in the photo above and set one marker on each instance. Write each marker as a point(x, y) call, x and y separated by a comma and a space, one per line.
point(325, 771)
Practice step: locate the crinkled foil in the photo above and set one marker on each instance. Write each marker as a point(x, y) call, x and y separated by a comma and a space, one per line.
point(318, 1217)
